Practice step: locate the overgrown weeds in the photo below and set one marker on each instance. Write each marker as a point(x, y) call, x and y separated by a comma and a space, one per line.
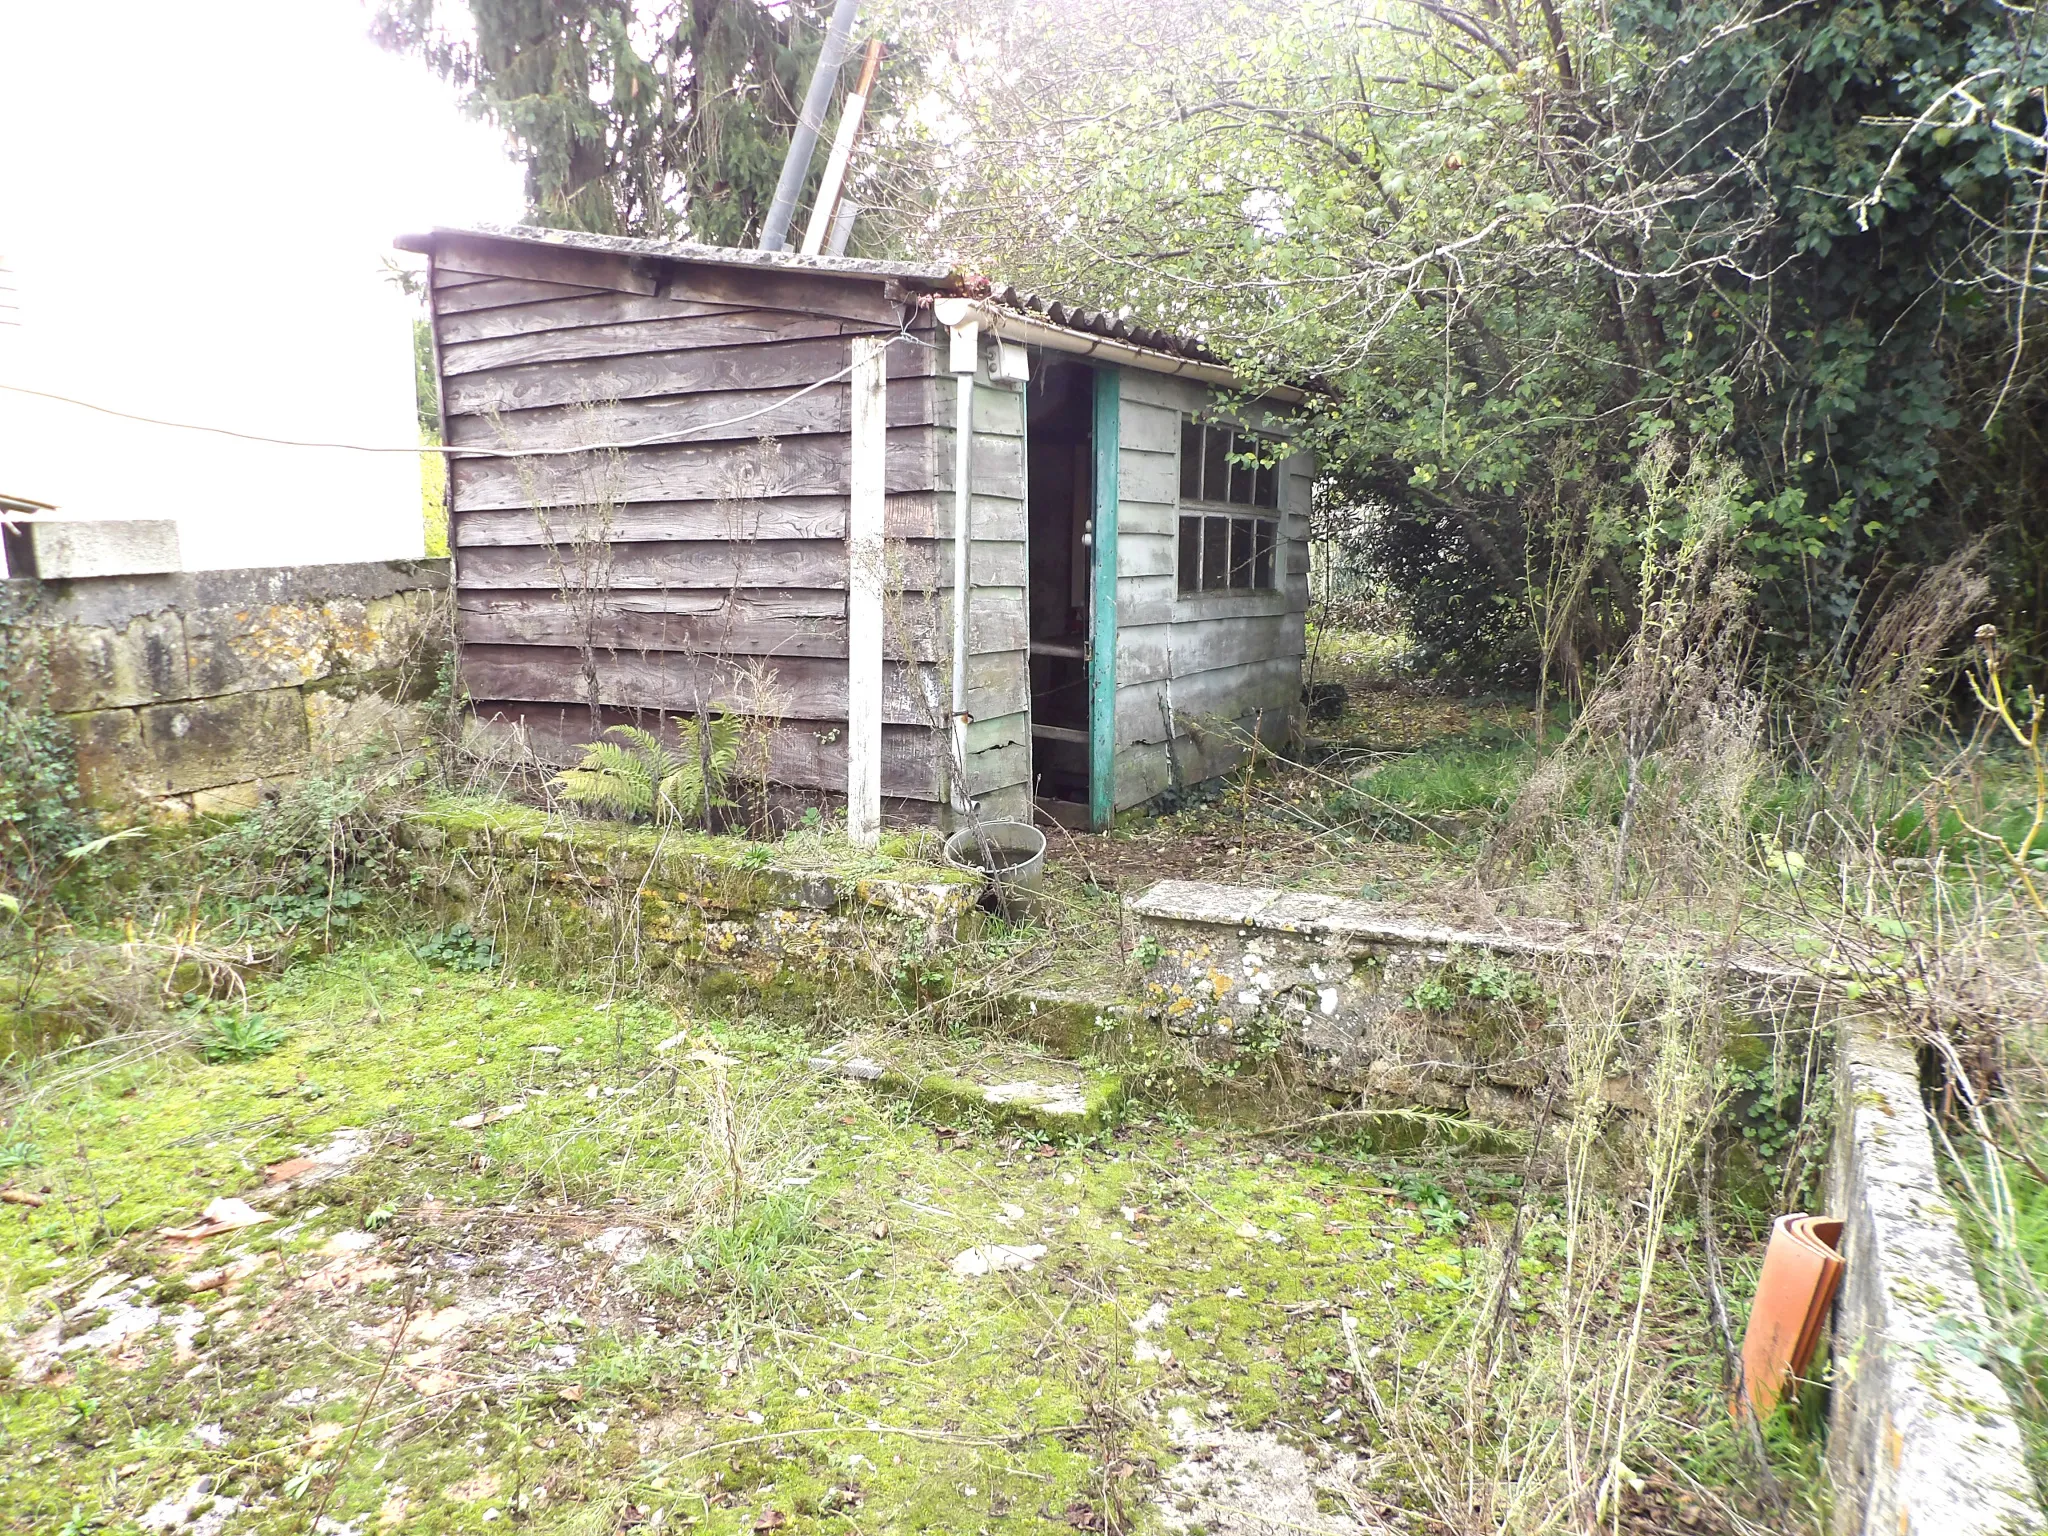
point(1673, 722)
point(1553, 1402)
point(40, 812)
point(305, 864)
point(237, 1036)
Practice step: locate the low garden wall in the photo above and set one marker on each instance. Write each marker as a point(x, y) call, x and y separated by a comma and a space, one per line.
point(1921, 1438)
point(598, 893)
point(1400, 1011)
point(194, 691)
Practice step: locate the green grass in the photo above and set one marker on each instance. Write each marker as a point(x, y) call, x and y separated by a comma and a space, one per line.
point(804, 1337)
point(756, 1257)
point(2010, 1280)
point(1444, 789)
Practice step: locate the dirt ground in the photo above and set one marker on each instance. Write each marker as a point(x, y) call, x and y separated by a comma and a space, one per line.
point(1273, 827)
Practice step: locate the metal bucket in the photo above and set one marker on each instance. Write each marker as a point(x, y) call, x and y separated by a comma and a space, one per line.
point(1016, 851)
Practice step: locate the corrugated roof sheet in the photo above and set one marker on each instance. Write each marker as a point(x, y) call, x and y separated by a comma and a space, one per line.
point(921, 274)
point(1094, 322)
point(926, 277)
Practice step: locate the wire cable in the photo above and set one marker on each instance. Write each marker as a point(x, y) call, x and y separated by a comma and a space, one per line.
point(452, 450)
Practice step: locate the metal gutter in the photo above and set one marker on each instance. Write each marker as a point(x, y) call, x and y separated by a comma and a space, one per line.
point(1011, 326)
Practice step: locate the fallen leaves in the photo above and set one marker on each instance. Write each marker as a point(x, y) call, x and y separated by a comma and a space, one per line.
point(226, 1277)
point(990, 1258)
point(488, 1117)
point(13, 1196)
point(351, 1265)
point(433, 1327)
point(225, 1214)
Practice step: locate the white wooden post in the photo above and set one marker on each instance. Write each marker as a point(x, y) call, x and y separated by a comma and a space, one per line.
point(864, 576)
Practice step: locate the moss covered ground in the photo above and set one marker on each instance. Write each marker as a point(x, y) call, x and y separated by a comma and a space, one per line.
point(583, 1266)
point(674, 1269)
point(562, 1243)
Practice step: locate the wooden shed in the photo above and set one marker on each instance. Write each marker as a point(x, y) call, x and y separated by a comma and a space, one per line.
point(713, 479)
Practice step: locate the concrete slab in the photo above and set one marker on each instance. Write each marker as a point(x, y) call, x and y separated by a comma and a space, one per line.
point(1921, 1439)
point(68, 549)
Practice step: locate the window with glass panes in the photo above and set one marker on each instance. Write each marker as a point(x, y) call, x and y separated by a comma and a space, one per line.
point(1229, 499)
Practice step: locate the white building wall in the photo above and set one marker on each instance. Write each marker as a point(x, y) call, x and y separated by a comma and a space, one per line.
point(199, 239)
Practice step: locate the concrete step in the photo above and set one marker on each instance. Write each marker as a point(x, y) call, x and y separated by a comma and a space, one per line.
point(1007, 1084)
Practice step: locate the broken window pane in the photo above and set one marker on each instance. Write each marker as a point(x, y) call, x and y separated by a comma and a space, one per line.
point(1243, 449)
point(1215, 463)
point(1240, 551)
point(1191, 554)
point(1268, 494)
point(1215, 553)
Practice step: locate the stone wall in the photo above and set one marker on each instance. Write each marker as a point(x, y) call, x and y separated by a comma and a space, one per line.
point(196, 690)
point(1401, 1011)
point(596, 894)
point(1921, 1439)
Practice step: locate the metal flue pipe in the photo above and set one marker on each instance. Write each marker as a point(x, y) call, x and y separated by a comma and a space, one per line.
point(797, 164)
point(834, 180)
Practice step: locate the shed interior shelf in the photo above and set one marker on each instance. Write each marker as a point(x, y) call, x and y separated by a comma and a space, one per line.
point(1058, 733)
point(1058, 648)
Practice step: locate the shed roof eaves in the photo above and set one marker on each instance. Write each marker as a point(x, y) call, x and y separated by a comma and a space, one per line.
point(921, 273)
point(1142, 346)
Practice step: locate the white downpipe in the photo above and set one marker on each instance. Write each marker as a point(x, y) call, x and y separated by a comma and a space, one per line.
point(966, 346)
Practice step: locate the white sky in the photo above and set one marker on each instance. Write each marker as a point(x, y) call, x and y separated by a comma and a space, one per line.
point(194, 205)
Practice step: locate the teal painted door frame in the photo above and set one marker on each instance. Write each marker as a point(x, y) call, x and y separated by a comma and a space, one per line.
point(1102, 629)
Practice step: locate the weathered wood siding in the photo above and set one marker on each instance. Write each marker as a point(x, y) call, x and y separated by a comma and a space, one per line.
point(998, 623)
point(713, 565)
point(1193, 670)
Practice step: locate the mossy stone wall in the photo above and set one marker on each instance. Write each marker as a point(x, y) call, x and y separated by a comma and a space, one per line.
point(197, 691)
point(606, 893)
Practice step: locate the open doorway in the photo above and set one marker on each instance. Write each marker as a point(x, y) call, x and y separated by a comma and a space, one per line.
point(1059, 433)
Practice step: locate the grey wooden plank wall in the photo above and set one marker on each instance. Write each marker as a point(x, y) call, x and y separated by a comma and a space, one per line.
point(999, 629)
point(1190, 665)
point(712, 566)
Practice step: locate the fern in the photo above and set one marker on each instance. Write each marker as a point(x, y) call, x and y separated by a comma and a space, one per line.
point(638, 775)
point(618, 776)
point(683, 790)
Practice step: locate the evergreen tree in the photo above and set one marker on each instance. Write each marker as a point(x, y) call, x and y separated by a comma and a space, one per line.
point(659, 119)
